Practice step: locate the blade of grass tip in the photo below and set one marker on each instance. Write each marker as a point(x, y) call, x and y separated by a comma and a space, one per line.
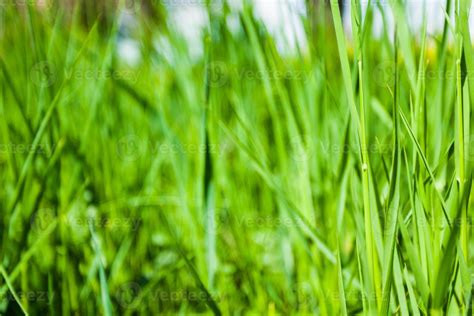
point(104, 288)
point(259, 55)
point(381, 112)
point(344, 60)
point(261, 168)
point(356, 25)
point(346, 72)
point(19, 102)
point(5, 131)
point(405, 40)
point(420, 95)
point(342, 199)
point(388, 262)
point(344, 161)
point(42, 183)
point(41, 130)
point(368, 19)
point(365, 302)
point(211, 231)
point(470, 309)
point(395, 124)
point(413, 259)
point(426, 164)
point(208, 194)
point(392, 202)
point(371, 216)
point(411, 294)
point(441, 64)
point(31, 251)
point(12, 290)
point(465, 276)
point(398, 284)
point(210, 301)
point(340, 278)
point(51, 291)
point(459, 145)
point(31, 154)
point(120, 258)
point(464, 14)
point(369, 222)
point(447, 261)
point(303, 225)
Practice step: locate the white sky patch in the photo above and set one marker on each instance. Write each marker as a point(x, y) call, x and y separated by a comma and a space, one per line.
point(129, 51)
point(434, 15)
point(233, 22)
point(281, 17)
point(283, 20)
point(415, 10)
point(190, 20)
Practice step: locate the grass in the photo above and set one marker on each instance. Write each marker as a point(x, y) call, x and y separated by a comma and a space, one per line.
point(335, 179)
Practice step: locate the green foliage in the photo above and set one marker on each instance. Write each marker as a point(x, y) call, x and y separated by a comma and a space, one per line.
point(333, 180)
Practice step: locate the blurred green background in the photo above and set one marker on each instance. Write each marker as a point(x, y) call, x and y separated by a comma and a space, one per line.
point(148, 171)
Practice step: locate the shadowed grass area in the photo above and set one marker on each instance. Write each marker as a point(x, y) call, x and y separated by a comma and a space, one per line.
point(332, 179)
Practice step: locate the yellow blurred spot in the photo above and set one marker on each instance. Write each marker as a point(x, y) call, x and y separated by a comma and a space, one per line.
point(271, 309)
point(431, 52)
point(350, 51)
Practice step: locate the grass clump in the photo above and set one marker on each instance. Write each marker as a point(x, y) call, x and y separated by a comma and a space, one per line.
point(330, 179)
